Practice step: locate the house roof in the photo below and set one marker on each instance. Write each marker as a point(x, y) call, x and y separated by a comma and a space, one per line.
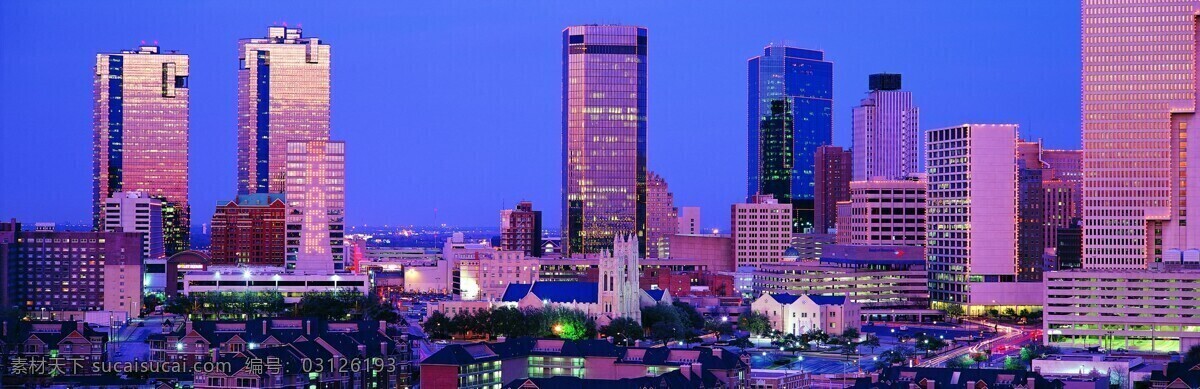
point(785, 298)
point(465, 354)
point(672, 379)
point(902, 377)
point(556, 291)
point(656, 294)
point(827, 300)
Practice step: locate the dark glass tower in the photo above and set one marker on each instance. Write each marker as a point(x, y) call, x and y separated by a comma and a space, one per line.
point(604, 136)
point(800, 82)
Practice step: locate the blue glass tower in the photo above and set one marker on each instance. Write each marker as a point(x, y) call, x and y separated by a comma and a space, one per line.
point(802, 81)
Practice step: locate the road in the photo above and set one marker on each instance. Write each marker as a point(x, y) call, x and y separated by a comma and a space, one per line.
point(1009, 337)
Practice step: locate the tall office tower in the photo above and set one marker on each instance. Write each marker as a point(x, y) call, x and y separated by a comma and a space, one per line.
point(137, 212)
point(250, 230)
point(972, 219)
point(283, 96)
point(791, 103)
point(884, 213)
point(140, 135)
point(1031, 215)
point(604, 136)
point(1138, 112)
point(521, 229)
point(689, 221)
point(662, 218)
point(886, 134)
point(833, 185)
point(65, 274)
point(1062, 181)
point(316, 196)
point(761, 231)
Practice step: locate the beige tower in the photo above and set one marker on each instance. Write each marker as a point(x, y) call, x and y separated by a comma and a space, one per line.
point(619, 291)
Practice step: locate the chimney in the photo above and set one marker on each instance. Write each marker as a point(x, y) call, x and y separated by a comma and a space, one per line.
point(1030, 382)
point(929, 384)
point(308, 326)
point(187, 327)
point(686, 369)
point(383, 348)
point(362, 350)
point(79, 326)
point(213, 351)
point(264, 326)
point(698, 369)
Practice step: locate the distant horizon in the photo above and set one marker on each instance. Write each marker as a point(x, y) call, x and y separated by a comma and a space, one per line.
point(450, 112)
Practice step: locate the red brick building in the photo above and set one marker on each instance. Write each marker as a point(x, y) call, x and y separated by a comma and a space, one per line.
point(250, 230)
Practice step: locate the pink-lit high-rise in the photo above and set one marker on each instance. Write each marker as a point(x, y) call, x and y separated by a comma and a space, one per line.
point(283, 96)
point(140, 134)
point(1139, 105)
point(604, 136)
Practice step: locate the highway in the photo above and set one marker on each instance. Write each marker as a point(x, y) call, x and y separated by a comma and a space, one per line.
point(1009, 337)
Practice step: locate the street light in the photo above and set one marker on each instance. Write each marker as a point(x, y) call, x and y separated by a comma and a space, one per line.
point(335, 280)
point(246, 276)
point(276, 278)
point(217, 276)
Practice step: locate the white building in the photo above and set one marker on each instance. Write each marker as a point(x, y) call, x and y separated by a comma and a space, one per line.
point(293, 286)
point(884, 213)
point(316, 196)
point(615, 295)
point(1129, 309)
point(886, 134)
point(689, 221)
point(971, 214)
point(762, 231)
point(798, 314)
point(137, 212)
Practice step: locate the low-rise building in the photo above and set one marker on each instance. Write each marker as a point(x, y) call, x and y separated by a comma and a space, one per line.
point(285, 353)
point(540, 361)
point(269, 279)
point(952, 378)
point(873, 276)
point(798, 314)
point(1116, 367)
point(1144, 310)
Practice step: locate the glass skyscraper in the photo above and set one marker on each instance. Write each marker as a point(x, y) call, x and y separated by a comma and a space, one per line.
point(604, 136)
point(788, 87)
point(140, 135)
point(283, 95)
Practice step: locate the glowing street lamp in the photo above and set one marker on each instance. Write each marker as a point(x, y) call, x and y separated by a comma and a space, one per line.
point(558, 329)
point(335, 280)
point(276, 278)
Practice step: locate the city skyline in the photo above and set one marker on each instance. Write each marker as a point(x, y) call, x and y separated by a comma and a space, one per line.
point(378, 177)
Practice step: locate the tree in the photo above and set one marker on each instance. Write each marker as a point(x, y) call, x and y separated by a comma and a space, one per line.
point(720, 327)
point(438, 326)
point(1009, 312)
point(1011, 363)
point(688, 315)
point(664, 323)
point(743, 342)
point(149, 302)
point(954, 310)
point(928, 343)
point(179, 305)
point(961, 362)
point(850, 335)
point(624, 330)
point(754, 322)
point(509, 321)
point(567, 323)
point(871, 341)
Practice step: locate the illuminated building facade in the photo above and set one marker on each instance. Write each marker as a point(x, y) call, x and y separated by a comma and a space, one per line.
point(140, 135)
point(283, 96)
point(761, 231)
point(521, 229)
point(972, 216)
point(1139, 104)
point(137, 212)
point(662, 220)
point(250, 230)
point(886, 134)
point(316, 196)
point(789, 115)
point(1062, 182)
point(884, 212)
point(604, 136)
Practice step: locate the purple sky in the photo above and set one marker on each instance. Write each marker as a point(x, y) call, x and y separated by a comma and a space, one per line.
point(455, 105)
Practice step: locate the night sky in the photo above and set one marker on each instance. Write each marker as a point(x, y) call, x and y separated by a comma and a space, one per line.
point(455, 106)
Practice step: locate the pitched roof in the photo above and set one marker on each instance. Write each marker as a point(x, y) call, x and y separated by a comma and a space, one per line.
point(465, 354)
point(555, 291)
point(672, 379)
point(784, 298)
point(827, 300)
point(901, 377)
point(656, 294)
point(515, 292)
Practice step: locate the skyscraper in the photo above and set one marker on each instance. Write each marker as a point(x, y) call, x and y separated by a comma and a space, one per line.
point(316, 196)
point(1138, 112)
point(760, 230)
point(972, 203)
point(689, 221)
point(886, 134)
point(604, 136)
point(283, 96)
point(662, 218)
point(789, 115)
point(833, 185)
point(140, 135)
point(884, 213)
point(1062, 182)
point(1031, 215)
